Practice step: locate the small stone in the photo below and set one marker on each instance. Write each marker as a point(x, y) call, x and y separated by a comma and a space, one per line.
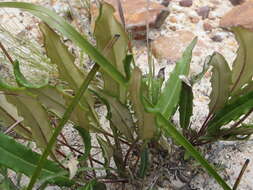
point(217, 38)
point(173, 19)
point(241, 15)
point(194, 20)
point(207, 26)
point(166, 2)
point(171, 47)
point(173, 28)
point(204, 12)
point(237, 2)
point(185, 3)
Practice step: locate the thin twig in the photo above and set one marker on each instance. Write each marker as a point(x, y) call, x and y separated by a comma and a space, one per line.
point(91, 164)
point(9, 129)
point(6, 53)
point(129, 150)
point(241, 174)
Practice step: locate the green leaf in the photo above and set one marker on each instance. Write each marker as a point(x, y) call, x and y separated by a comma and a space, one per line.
point(6, 86)
point(80, 115)
point(156, 86)
point(242, 71)
point(118, 114)
point(239, 133)
point(127, 65)
point(87, 142)
point(146, 121)
point(58, 23)
point(106, 28)
point(9, 115)
point(58, 52)
point(220, 81)
point(144, 163)
point(171, 93)
point(21, 159)
point(107, 150)
point(34, 115)
point(52, 98)
point(185, 105)
point(231, 111)
point(22, 81)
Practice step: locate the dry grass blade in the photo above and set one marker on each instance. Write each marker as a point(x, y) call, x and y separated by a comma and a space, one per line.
point(238, 180)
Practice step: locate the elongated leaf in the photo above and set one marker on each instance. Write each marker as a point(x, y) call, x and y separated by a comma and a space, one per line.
point(59, 55)
point(221, 82)
point(21, 159)
point(171, 92)
point(144, 163)
point(127, 65)
point(22, 81)
point(80, 115)
point(106, 27)
point(239, 133)
point(146, 121)
point(107, 150)
point(185, 105)
point(58, 23)
point(34, 116)
point(9, 115)
point(6, 86)
point(87, 142)
point(242, 67)
point(118, 114)
point(52, 99)
point(230, 112)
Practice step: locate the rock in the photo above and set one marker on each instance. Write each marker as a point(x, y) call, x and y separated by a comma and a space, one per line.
point(207, 26)
point(166, 2)
point(185, 3)
point(194, 20)
point(136, 15)
point(241, 15)
point(172, 47)
point(173, 19)
point(217, 38)
point(237, 2)
point(204, 12)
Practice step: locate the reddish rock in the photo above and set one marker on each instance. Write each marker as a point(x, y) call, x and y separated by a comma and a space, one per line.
point(207, 26)
point(241, 15)
point(185, 3)
point(172, 47)
point(204, 12)
point(237, 2)
point(136, 14)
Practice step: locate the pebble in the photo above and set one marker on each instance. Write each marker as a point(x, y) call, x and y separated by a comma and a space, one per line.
point(194, 20)
point(204, 12)
point(185, 3)
point(237, 2)
point(217, 38)
point(207, 26)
